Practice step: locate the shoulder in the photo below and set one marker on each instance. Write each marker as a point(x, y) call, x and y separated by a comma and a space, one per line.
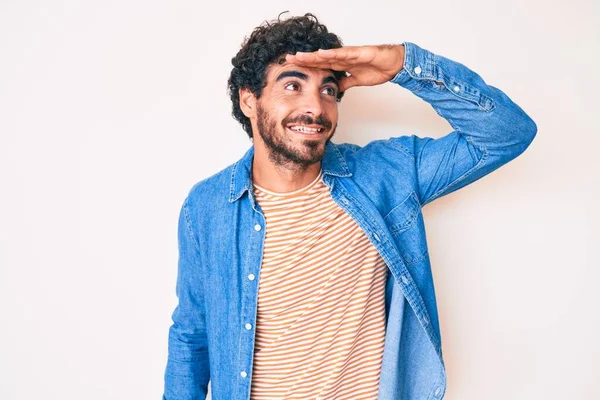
point(402, 145)
point(397, 149)
point(211, 190)
point(383, 168)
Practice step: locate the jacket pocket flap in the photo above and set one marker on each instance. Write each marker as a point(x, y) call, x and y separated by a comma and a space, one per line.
point(404, 214)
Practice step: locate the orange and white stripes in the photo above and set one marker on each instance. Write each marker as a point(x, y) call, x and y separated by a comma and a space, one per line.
point(320, 327)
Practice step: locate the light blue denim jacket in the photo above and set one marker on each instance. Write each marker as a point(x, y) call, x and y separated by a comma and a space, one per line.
point(383, 186)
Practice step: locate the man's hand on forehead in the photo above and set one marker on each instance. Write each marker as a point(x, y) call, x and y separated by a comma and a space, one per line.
point(367, 65)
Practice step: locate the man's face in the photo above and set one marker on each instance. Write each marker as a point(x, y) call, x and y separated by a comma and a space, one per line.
point(296, 114)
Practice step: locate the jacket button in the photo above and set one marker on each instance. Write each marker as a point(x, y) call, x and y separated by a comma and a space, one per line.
point(248, 326)
point(417, 70)
point(456, 89)
point(251, 277)
point(243, 374)
point(257, 227)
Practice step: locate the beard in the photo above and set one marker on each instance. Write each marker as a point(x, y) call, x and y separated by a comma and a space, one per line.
point(285, 152)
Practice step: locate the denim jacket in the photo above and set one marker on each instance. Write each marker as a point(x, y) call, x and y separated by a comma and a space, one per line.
point(383, 187)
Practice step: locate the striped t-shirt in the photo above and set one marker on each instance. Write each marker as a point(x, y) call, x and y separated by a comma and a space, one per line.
point(320, 326)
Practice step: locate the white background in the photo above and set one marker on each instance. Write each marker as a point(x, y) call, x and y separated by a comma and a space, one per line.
point(111, 110)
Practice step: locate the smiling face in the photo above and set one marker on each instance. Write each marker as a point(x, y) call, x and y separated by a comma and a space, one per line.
point(295, 116)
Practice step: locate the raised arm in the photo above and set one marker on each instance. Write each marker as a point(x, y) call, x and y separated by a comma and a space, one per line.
point(489, 128)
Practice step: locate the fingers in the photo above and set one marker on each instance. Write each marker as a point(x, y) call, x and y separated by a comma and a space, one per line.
point(306, 58)
point(347, 82)
point(315, 62)
point(340, 54)
point(338, 59)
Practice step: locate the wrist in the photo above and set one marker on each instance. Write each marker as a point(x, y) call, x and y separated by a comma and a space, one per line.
point(401, 54)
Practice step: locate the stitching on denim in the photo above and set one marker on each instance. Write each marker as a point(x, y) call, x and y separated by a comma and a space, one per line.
point(402, 148)
point(180, 375)
point(408, 67)
point(185, 359)
point(408, 57)
point(417, 259)
point(462, 177)
point(421, 83)
point(419, 307)
point(480, 102)
point(231, 185)
point(468, 172)
point(409, 260)
point(411, 194)
point(188, 224)
point(431, 62)
point(459, 95)
point(441, 384)
point(257, 279)
point(341, 161)
point(483, 97)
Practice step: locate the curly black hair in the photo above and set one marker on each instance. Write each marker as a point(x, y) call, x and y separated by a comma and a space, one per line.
point(266, 45)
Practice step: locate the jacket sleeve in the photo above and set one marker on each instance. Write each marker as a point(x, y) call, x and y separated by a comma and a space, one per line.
point(489, 128)
point(187, 372)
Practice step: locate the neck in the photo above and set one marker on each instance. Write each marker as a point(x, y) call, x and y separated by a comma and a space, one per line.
point(281, 178)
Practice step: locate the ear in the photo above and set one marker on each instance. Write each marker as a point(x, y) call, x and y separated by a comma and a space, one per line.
point(247, 102)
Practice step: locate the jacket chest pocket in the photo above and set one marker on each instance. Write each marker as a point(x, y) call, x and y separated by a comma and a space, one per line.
point(405, 222)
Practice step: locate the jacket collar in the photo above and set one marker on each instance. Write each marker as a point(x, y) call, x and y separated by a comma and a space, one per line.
point(333, 163)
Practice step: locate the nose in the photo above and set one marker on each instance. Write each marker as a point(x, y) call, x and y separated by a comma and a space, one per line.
point(312, 102)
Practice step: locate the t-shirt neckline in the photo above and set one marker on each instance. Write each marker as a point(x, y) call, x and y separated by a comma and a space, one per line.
point(294, 192)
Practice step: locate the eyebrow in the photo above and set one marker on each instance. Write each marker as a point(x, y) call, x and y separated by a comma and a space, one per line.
point(304, 77)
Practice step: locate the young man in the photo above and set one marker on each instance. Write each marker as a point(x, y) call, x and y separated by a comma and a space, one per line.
point(303, 267)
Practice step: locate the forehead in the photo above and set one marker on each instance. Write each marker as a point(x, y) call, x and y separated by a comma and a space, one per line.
point(274, 70)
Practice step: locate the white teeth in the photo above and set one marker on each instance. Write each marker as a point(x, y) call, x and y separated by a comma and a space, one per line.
point(305, 129)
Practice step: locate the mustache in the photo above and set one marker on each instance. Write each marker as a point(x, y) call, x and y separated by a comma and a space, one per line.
point(308, 120)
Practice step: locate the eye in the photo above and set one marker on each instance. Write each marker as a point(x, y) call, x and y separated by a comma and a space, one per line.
point(292, 86)
point(331, 91)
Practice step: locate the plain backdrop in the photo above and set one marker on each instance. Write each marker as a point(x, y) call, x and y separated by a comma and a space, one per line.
point(111, 110)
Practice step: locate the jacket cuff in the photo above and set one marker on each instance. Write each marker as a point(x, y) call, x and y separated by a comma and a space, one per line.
point(419, 64)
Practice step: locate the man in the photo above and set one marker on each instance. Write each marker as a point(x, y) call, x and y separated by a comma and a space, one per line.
point(303, 267)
